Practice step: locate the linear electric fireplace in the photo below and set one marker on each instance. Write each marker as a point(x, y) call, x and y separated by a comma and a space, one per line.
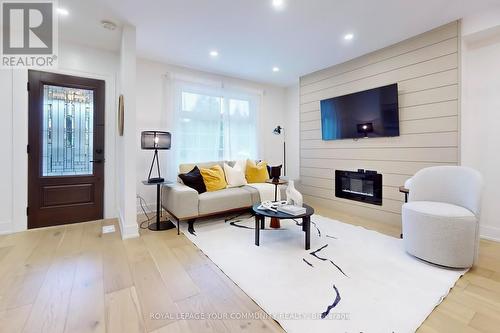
point(361, 185)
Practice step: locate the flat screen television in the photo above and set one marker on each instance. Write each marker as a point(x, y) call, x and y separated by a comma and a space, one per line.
point(369, 113)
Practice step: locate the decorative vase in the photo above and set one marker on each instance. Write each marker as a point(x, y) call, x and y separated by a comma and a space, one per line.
point(275, 173)
point(293, 197)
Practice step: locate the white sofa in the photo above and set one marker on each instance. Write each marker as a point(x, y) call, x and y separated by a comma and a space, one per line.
point(441, 217)
point(185, 204)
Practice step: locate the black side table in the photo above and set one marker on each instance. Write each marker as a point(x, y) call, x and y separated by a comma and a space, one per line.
point(406, 191)
point(159, 225)
point(275, 222)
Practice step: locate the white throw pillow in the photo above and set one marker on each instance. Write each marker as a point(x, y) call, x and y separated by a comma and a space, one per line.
point(235, 176)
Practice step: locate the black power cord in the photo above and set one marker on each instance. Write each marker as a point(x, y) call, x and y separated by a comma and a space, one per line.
point(148, 219)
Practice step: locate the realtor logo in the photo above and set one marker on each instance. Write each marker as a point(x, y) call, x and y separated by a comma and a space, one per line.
point(28, 34)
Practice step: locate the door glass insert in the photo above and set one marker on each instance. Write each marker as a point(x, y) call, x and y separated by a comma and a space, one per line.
point(68, 131)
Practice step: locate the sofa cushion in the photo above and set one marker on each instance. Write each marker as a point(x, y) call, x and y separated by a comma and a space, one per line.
point(235, 176)
point(256, 173)
point(214, 178)
point(194, 180)
point(185, 167)
point(254, 193)
point(438, 209)
point(180, 201)
point(440, 233)
point(223, 200)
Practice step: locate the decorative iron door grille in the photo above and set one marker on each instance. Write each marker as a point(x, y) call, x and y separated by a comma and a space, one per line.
point(68, 122)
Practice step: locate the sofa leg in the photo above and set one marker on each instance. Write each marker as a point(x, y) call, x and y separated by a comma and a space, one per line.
point(191, 226)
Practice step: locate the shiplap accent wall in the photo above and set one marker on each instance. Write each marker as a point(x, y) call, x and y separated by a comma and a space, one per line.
point(426, 68)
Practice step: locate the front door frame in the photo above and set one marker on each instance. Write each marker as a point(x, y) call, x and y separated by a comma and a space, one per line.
point(62, 211)
point(20, 141)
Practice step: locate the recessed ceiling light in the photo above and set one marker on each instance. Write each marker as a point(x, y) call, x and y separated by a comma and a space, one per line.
point(276, 69)
point(214, 53)
point(278, 4)
point(349, 37)
point(62, 11)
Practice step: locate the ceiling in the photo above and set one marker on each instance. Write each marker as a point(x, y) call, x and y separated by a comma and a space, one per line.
point(252, 37)
point(82, 24)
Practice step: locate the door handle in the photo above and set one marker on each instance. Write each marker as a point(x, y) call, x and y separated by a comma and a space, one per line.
point(97, 161)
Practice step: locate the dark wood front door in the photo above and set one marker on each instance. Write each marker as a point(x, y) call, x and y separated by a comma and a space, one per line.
point(66, 149)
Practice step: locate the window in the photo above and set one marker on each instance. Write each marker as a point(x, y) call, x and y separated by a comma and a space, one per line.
point(215, 124)
point(68, 122)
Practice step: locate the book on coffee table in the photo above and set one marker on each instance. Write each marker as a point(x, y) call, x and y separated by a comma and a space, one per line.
point(292, 210)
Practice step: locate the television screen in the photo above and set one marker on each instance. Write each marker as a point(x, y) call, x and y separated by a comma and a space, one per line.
point(369, 113)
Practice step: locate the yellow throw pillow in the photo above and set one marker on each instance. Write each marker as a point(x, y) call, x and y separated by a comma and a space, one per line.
point(213, 178)
point(256, 173)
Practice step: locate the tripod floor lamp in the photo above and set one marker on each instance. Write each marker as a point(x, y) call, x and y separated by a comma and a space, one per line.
point(155, 140)
point(279, 131)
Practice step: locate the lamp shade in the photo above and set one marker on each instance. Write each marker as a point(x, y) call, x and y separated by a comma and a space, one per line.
point(278, 130)
point(155, 140)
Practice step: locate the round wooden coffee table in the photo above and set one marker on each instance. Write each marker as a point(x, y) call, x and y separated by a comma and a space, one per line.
point(260, 217)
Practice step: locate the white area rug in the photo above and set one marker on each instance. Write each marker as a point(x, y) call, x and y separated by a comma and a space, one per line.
point(378, 287)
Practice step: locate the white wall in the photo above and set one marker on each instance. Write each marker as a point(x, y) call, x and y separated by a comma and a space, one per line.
point(14, 136)
point(481, 110)
point(426, 68)
point(292, 115)
point(6, 151)
point(73, 60)
point(480, 22)
point(153, 113)
point(125, 152)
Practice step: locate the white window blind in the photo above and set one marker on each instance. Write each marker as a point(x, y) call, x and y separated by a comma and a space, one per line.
point(215, 124)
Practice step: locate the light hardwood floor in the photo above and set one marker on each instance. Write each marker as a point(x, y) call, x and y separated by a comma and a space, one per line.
point(74, 279)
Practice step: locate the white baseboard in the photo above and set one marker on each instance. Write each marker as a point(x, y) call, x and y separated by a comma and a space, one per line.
point(490, 233)
point(127, 231)
point(130, 232)
point(5, 227)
